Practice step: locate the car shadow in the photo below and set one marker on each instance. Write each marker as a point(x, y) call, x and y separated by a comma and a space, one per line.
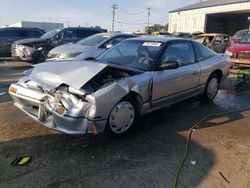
point(145, 157)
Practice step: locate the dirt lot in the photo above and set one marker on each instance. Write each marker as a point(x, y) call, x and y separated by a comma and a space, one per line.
point(147, 157)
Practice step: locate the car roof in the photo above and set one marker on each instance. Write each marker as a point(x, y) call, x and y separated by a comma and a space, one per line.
point(210, 34)
point(115, 34)
point(156, 38)
point(84, 28)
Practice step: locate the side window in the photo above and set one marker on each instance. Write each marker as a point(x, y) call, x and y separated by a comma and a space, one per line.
point(7, 34)
point(202, 52)
point(33, 33)
point(85, 33)
point(69, 34)
point(21, 33)
point(180, 51)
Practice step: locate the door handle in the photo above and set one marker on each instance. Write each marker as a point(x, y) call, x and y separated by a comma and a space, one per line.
point(195, 72)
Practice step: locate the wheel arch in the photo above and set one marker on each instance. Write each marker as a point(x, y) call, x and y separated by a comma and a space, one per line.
point(135, 97)
point(217, 72)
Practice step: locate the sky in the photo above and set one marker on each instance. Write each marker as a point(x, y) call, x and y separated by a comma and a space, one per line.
point(131, 15)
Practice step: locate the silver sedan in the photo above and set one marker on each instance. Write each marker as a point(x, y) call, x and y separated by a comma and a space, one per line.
point(135, 77)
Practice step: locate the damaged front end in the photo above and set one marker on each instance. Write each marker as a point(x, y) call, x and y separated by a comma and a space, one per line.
point(59, 110)
point(59, 105)
point(23, 52)
point(28, 50)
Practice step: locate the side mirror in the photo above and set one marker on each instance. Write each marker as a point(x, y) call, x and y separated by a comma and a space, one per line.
point(109, 46)
point(169, 65)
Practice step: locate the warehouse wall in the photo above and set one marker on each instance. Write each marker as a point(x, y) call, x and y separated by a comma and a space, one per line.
point(195, 20)
point(46, 26)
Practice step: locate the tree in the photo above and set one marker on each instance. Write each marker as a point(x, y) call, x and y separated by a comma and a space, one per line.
point(98, 27)
point(157, 27)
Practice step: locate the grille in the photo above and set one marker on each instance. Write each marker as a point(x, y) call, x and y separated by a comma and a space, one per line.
point(244, 55)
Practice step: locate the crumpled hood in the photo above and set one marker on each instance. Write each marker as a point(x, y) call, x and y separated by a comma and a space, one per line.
point(30, 40)
point(69, 49)
point(72, 73)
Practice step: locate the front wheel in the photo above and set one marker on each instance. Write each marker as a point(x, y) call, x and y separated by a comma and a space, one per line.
point(212, 88)
point(122, 117)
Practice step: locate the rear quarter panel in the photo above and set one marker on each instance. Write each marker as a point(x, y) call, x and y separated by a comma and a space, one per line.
point(218, 62)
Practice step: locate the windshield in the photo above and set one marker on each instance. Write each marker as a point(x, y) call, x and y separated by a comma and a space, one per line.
point(94, 39)
point(134, 54)
point(50, 34)
point(239, 34)
point(245, 39)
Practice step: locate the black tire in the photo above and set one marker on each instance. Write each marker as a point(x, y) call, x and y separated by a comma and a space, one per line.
point(207, 95)
point(109, 130)
point(39, 57)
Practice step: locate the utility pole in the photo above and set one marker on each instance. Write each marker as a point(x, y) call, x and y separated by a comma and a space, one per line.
point(149, 8)
point(114, 7)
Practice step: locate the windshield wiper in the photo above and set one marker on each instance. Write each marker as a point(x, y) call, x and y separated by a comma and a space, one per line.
point(91, 59)
point(114, 63)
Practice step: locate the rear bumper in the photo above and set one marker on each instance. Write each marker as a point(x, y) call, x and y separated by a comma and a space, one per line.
point(41, 111)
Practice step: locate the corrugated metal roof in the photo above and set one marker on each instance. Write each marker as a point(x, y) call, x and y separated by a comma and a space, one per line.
point(209, 3)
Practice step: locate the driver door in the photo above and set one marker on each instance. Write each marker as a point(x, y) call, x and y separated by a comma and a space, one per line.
point(174, 85)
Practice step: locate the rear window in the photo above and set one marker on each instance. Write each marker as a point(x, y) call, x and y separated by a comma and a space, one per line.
point(7, 33)
point(85, 33)
point(202, 52)
point(34, 33)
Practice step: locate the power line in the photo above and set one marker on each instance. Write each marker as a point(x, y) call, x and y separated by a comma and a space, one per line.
point(114, 7)
point(127, 23)
point(131, 13)
point(126, 20)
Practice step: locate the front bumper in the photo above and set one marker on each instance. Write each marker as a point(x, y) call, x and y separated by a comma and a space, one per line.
point(237, 61)
point(22, 52)
point(37, 107)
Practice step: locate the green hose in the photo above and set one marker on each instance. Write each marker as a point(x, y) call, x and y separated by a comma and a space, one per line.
point(197, 125)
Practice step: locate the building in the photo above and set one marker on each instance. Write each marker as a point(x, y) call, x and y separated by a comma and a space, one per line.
point(220, 16)
point(46, 26)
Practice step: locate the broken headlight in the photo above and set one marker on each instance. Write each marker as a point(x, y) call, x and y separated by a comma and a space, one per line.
point(28, 72)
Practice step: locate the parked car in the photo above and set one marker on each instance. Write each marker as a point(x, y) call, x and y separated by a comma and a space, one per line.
point(239, 35)
point(35, 50)
point(90, 47)
point(183, 35)
point(135, 77)
point(240, 53)
point(11, 34)
point(197, 33)
point(215, 41)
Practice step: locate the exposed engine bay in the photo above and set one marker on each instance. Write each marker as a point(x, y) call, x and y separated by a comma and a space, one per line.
point(105, 78)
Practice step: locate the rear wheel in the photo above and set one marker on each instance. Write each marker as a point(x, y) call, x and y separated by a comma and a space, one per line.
point(122, 117)
point(212, 87)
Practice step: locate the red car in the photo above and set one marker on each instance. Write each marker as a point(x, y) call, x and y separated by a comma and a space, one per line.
point(239, 35)
point(240, 53)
